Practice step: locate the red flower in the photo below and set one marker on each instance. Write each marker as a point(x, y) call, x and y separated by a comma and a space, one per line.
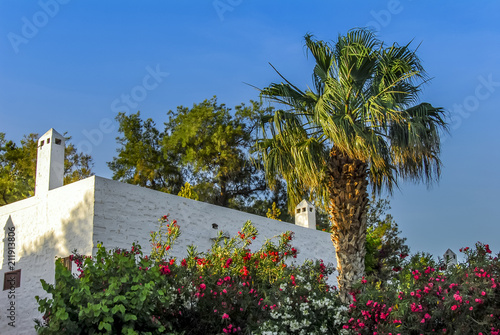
point(228, 262)
point(244, 271)
point(164, 269)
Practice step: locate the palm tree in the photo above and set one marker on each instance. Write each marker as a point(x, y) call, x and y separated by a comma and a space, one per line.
point(360, 125)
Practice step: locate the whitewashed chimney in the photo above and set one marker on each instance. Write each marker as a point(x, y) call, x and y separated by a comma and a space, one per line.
point(49, 162)
point(305, 215)
point(450, 258)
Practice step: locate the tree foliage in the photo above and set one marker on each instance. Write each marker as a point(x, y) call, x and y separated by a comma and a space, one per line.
point(386, 250)
point(207, 146)
point(188, 192)
point(214, 145)
point(142, 159)
point(18, 167)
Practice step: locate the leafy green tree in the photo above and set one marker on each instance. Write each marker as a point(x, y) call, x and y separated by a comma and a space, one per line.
point(141, 159)
point(18, 167)
point(360, 124)
point(214, 145)
point(386, 250)
point(207, 146)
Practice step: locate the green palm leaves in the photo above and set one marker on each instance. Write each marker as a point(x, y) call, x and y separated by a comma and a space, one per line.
point(364, 102)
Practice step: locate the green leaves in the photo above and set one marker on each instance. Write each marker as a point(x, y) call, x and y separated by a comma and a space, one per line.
point(364, 103)
point(113, 295)
point(129, 317)
point(18, 167)
point(204, 152)
point(104, 325)
point(120, 307)
point(142, 159)
point(61, 314)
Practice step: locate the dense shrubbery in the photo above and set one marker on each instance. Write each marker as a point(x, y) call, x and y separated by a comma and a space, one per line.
point(232, 290)
point(430, 299)
point(226, 290)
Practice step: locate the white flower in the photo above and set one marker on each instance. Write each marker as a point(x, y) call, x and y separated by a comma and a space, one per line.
point(294, 325)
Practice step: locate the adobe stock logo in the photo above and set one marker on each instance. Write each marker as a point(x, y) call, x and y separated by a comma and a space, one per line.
point(124, 103)
point(461, 111)
point(222, 6)
point(31, 26)
point(383, 17)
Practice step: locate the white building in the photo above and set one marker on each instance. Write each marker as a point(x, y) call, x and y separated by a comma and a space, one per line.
point(305, 215)
point(59, 219)
point(450, 258)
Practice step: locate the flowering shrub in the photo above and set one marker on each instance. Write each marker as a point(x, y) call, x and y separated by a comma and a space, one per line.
point(303, 304)
point(228, 289)
point(233, 290)
point(163, 239)
point(430, 300)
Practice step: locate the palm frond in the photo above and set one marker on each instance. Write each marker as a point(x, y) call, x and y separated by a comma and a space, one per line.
point(364, 102)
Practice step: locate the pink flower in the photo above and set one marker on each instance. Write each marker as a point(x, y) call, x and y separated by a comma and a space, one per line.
point(454, 307)
point(203, 286)
point(225, 316)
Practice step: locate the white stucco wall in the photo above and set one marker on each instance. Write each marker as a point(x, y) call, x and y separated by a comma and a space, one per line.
point(46, 227)
point(126, 213)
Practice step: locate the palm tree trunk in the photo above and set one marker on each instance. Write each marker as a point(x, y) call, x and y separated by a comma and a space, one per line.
point(347, 185)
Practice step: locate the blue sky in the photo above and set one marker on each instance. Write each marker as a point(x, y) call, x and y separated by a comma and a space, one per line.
point(72, 65)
